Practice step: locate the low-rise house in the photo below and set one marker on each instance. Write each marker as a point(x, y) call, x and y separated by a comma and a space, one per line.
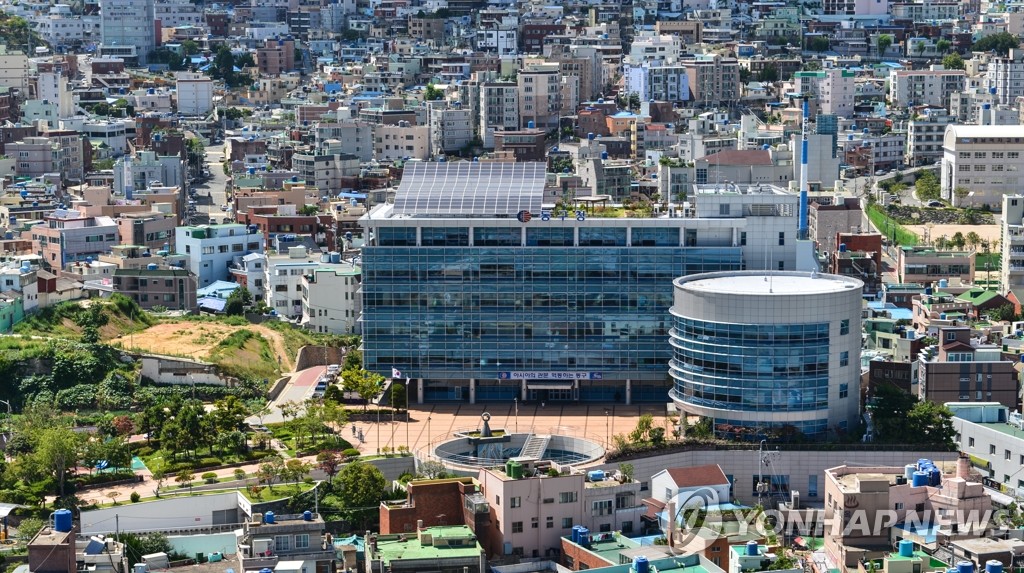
point(961, 369)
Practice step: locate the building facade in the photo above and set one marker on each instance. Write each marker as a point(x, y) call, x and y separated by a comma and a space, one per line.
point(212, 249)
point(984, 160)
point(562, 307)
point(765, 351)
point(129, 23)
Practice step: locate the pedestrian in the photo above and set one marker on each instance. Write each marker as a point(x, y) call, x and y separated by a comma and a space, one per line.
point(542, 405)
point(353, 430)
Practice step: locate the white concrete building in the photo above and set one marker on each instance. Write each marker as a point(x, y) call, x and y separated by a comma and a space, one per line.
point(152, 100)
point(401, 141)
point(833, 90)
point(54, 87)
point(61, 27)
point(540, 95)
point(499, 109)
point(1011, 242)
point(331, 301)
point(924, 137)
point(14, 69)
point(1006, 75)
point(665, 47)
point(194, 93)
point(178, 13)
point(113, 133)
point(129, 23)
point(283, 278)
point(706, 482)
point(450, 129)
point(654, 81)
point(211, 249)
point(925, 87)
point(983, 159)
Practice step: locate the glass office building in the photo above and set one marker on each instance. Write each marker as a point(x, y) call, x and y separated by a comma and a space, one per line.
point(762, 353)
point(476, 302)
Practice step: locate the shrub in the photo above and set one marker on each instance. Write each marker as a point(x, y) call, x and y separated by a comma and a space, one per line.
point(350, 453)
point(210, 462)
point(144, 451)
point(135, 497)
point(209, 477)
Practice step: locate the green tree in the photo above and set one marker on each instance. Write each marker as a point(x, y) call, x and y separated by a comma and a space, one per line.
point(927, 187)
point(29, 527)
point(943, 46)
point(889, 412)
point(296, 470)
point(238, 301)
point(361, 485)
point(958, 241)
point(818, 44)
point(58, 452)
point(309, 210)
point(953, 61)
point(329, 462)
point(189, 47)
point(768, 73)
point(185, 478)
point(882, 44)
point(431, 93)
point(1000, 43)
point(961, 193)
point(973, 240)
point(1002, 313)
point(363, 382)
point(634, 101)
point(399, 398)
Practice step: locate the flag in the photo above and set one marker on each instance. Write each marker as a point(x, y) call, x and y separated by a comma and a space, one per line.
point(395, 373)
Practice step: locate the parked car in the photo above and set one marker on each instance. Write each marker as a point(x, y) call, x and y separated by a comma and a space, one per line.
point(936, 204)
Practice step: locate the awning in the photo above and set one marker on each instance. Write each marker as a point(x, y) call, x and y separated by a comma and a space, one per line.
point(547, 385)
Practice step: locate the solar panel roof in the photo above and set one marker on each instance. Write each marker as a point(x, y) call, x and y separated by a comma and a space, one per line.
point(470, 188)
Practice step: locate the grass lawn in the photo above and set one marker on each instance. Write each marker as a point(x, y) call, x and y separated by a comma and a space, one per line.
point(280, 491)
point(890, 228)
point(155, 458)
point(282, 432)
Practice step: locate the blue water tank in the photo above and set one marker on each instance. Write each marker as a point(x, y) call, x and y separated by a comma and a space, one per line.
point(942, 316)
point(152, 267)
point(934, 477)
point(335, 258)
point(266, 571)
point(307, 515)
point(943, 283)
point(928, 290)
point(8, 235)
point(842, 247)
point(585, 538)
point(766, 147)
point(906, 548)
point(295, 178)
point(920, 479)
point(993, 566)
point(986, 106)
point(604, 156)
point(965, 567)
point(992, 90)
point(590, 136)
point(752, 548)
point(268, 517)
point(530, 125)
point(151, 91)
point(641, 565)
point(575, 535)
point(62, 520)
point(849, 137)
point(595, 475)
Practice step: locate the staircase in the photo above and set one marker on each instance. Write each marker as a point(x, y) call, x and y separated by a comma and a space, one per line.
point(535, 446)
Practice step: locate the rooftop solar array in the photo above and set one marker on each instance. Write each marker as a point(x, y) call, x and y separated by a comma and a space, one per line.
point(470, 188)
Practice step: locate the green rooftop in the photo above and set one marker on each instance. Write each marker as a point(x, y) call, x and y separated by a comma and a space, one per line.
point(978, 296)
point(608, 547)
point(446, 542)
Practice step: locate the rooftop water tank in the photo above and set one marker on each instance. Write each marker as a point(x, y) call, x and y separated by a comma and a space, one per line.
point(152, 267)
point(965, 567)
point(908, 471)
point(307, 515)
point(906, 548)
point(641, 565)
point(335, 258)
point(590, 136)
point(993, 566)
point(62, 520)
point(842, 247)
point(514, 469)
point(268, 517)
point(151, 91)
point(595, 475)
point(530, 124)
point(604, 156)
point(934, 477)
point(920, 479)
point(575, 535)
point(943, 283)
point(986, 106)
point(992, 90)
point(585, 539)
point(752, 548)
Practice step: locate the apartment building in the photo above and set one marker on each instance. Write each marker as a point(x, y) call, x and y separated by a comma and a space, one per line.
point(874, 490)
point(662, 82)
point(540, 95)
point(451, 129)
point(331, 302)
point(533, 513)
point(61, 27)
point(1005, 75)
point(349, 136)
point(983, 159)
point(925, 134)
point(401, 141)
point(933, 86)
point(832, 90)
point(499, 109)
point(993, 434)
point(212, 249)
point(714, 80)
point(56, 152)
point(129, 23)
point(1011, 242)
point(441, 548)
point(961, 369)
point(327, 172)
point(689, 31)
point(154, 231)
point(271, 540)
point(275, 57)
point(68, 235)
point(154, 287)
point(194, 93)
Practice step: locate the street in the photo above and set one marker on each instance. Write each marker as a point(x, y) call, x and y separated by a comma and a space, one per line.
point(212, 193)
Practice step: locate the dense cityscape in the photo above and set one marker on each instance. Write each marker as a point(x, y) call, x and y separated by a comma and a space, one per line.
point(496, 286)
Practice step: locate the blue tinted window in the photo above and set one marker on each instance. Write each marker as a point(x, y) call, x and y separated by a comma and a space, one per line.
point(603, 237)
point(396, 237)
point(655, 237)
point(444, 236)
point(497, 236)
point(549, 236)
